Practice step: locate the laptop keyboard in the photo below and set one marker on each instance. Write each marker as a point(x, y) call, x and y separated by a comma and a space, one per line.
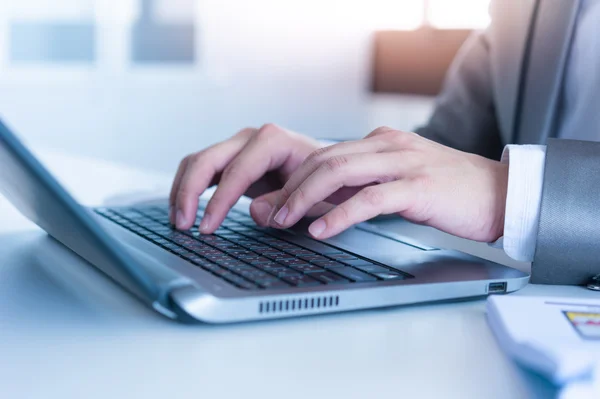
point(252, 257)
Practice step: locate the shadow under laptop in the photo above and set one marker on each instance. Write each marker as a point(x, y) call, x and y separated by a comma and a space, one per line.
point(49, 295)
point(43, 284)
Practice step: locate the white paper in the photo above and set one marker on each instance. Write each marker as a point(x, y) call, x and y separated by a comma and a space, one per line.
point(557, 337)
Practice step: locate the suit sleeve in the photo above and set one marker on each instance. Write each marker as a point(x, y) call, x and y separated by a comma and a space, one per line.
point(464, 116)
point(568, 240)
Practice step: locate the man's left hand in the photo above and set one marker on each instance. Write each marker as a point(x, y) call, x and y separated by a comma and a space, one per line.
point(395, 172)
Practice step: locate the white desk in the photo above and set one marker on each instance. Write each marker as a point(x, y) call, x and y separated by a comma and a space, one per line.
point(77, 335)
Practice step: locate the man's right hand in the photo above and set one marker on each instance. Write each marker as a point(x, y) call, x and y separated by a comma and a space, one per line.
point(254, 162)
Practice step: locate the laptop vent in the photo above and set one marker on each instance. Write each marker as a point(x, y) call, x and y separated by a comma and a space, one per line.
point(294, 305)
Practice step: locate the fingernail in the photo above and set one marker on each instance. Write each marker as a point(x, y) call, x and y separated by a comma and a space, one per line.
point(317, 228)
point(281, 215)
point(272, 214)
point(262, 210)
point(180, 220)
point(205, 224)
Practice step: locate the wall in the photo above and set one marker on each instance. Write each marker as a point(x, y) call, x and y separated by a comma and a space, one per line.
point(302, 64)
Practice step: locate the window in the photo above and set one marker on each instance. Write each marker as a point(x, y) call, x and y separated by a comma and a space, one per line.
point(442, 14)
point(413, 58)
point(60, 32)
point(164, 32)
point(458, 14)
point(43, 31)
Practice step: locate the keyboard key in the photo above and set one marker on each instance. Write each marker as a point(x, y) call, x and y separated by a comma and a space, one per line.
point(284, 246)
point(246, 285)
point(267, 266)
point(234, 264)
point(240, 229)
point(240, 282)
point(211, 251)
point(390, 275)
point(261, 261)
point(315, 257)
point(272, 284)
point(229, 247)
point(227, 275)
point(241, 254)
point(255, 275)
point(329, 264)
point(237, 266)
point(257, 247)
point(161, 241)
point(277, 256)
point(316, 246)
point(197, 260)
point(128, 213)
point(284, 258)
point(371, 268)
point(209, 239)
point(197, 248)
point(303, 252)
point(292, 261)
point(231, 236)
point(283, 271)
point(219, 257)
point(307, 268)
point(186, 254)
point(221, 272)
point(302, 280)
point(249, 258)
point(171, 246)
point(255, 233)
point(355, 275)
point(344, 257)
point(213, 268)
point(357, 262)
point(330, 278)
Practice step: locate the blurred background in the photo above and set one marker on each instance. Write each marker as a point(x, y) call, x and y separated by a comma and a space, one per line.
point(145, 82)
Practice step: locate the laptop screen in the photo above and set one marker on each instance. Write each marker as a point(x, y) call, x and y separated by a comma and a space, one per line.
point(38, 196)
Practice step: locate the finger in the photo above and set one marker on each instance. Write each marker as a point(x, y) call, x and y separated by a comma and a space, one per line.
point(175, 188)
point(264, 152)
point(261, 208)
point(383, 199)
point(353, 170)
point(314, 160)
point(199, 172)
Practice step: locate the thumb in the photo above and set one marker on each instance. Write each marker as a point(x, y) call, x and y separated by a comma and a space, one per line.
point(261, 207)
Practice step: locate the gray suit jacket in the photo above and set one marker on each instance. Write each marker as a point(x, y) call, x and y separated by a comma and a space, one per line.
point(503, 88)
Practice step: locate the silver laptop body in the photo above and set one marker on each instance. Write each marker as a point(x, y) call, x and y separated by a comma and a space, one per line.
point(402, 270)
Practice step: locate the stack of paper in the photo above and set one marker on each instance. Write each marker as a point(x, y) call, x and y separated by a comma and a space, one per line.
point(558, 338)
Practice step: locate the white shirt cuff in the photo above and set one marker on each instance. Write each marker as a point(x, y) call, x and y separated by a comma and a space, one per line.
point(523, 199)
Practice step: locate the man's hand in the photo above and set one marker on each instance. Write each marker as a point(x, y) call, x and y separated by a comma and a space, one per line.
point(254, 162)
point(390, 172)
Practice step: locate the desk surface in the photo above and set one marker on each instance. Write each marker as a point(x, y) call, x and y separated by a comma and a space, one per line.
point(73, 333)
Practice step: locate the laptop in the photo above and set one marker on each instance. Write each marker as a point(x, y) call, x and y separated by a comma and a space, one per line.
point(242, 272)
